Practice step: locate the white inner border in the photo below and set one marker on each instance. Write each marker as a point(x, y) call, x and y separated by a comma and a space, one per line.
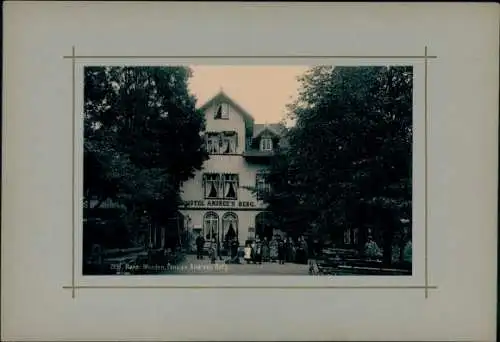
point(418, 276)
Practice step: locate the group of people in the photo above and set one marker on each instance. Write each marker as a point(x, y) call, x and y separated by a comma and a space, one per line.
point(276, 249)
point(214, 249)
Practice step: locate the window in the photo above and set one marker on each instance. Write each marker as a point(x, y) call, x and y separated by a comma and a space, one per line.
point(222, 186)
point(230, 226)
point(347, 236)
point(211, 226)
point(266, 144)
point(222, 111)
point(230, 186)
point(221, 143)
point(251, 232)
point(229, 141)
point(355, 236)
point(351, 236)
point(262, 185)
point(212, 185)
point(213, 143)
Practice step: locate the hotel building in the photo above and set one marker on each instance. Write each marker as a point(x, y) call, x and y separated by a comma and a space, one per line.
point(220, 201)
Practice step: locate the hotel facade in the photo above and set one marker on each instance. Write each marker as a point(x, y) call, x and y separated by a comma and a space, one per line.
point(223, 199)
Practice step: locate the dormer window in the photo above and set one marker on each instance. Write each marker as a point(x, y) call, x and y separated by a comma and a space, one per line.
point(266, 144)
point(222, 111)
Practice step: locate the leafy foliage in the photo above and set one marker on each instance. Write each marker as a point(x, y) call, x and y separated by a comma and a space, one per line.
point(142, 140)
point(372, 250)
point(348, 161)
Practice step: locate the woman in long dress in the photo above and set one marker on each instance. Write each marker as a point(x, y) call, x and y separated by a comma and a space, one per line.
point(281, 251)
point(253, 251)
point(290, 250)
point(301, 254)
point(273, 249)
point(258, 251)
point(213, 251)
point(265, 250)
point(248, 252)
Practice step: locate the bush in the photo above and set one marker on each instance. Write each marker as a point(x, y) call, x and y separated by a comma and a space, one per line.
point(372, 250)
point(408, 251)
point(395, 254)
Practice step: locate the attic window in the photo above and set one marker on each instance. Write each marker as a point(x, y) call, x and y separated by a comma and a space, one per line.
point(266, 144)
point(222, 111)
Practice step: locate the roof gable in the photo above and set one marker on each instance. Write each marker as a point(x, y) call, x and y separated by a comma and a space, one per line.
point(222, 97)
point(276, 129)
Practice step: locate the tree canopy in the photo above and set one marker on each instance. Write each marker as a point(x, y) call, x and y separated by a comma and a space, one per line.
point(142, 140)
point(349, 156)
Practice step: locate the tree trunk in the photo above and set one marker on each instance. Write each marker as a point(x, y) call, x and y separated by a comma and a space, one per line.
point(402, 251)
point(360, 221)
point(387, 245)
point(362, 239)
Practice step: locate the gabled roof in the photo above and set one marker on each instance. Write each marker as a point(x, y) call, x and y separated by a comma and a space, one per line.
point(275, 128)
point(221, 97)
point(253, 130)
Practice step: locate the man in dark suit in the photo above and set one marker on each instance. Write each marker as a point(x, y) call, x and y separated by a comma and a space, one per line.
point(234, 250)
point(200, 242)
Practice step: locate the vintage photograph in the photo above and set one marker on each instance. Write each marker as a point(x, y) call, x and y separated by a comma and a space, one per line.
point(248, 170)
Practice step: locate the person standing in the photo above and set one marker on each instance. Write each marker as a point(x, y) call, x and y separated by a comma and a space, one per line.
point(273, 249)
point(234, 251)
point(248, 252)
point(213, 251)
point(307, 248)
point(289, 250)
point(299, 254)
point(258, 250)
point(253, 245)
point(219, 248)
point(317, 248)
point(200, 242)
point(281, 251)
point(265, 250)
point(301, 251)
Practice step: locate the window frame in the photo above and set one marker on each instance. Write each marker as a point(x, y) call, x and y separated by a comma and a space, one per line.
point(215, 137)
point(206, 183)
point(211, 216)
point(222, 105)
point(235, 182)
point(263, 146)
point(229, 135)
point(218, 138)
point(221, 185)
point(230, 215)
point(347, 237)
point(261, 177)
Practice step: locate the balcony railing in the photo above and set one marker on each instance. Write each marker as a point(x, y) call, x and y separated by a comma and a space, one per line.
point(258, 153)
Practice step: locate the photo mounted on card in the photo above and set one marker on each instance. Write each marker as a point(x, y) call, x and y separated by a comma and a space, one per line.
point(217, 171)
point(207, 169)
point(201, 174)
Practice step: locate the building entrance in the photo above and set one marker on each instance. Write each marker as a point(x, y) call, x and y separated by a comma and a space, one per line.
point(263, 225)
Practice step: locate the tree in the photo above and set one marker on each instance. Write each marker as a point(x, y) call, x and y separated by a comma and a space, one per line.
point(348, 163)
point(142, 140)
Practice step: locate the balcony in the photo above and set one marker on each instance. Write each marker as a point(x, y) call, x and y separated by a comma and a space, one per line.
point(257, 156)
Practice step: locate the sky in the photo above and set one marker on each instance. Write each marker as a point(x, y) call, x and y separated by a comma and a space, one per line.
point(263, 91)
